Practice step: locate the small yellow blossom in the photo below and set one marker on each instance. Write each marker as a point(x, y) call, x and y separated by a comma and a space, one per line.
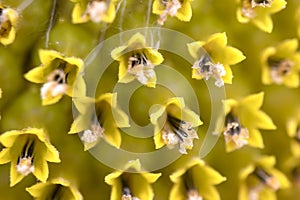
point(174, 124)
point(94, 10)
point(131, 184)
point(258, 12)
point(28, 150)
point(179, 8)
point(195, 181)
point(59, 74)
point(281, 64)
point(216, 60)
point(137, 61)
point(8, 22)
point(242, 121)
point(293, 130)
point(261, 180)
point(58, 188)
point(99, 118)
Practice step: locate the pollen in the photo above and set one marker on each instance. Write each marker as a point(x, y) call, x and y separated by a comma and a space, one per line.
point(127, 195)
point(269, 180)
point(96, 9)
point(193, 195)
point(171, 8)
point(25, 161)
point(279, 69)
point(93, 134)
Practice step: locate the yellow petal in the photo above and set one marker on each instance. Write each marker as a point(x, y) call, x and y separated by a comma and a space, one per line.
point(291, 127)
point(5, 156)
point(158, 141)
point(15, 177)
point(38, 189)
point(240, 17)
point(266, 161)
point(8, 138)
point(178, 191)
point(36, 75)
point(111, 178)
point(263, 22)
point(154, 56)
point(255, 138)
point(77, 14)
point(215, 42)
point(194, 48)
point(253, 101)
point(151, 177)
point(51, 100)
point(157, 7)
point(284, 182)
point(228, 76)
point(41, 171)
point(81, 123)
point(209, 192)
point(46, 56)
point(124, 76)
point(231, 56)
point(140, 187)
point(51, 155)
point(137, 40)
point(110, 14)
point(277, 5)
point(185, 12)
point(112, 134)
point(118, 52)
point(287, 47)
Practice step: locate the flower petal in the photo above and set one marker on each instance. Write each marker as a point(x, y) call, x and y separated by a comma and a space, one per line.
point(185, 12)
point(5, 156)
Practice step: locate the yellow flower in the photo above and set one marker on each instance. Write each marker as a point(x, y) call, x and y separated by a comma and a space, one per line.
point(58, 188)
point(137, 61)
point(195, 181)
point(216, 60)
point(298, 21)
point(179, 8)
point(8, 21)
point(281, 64)
point(95, 10)
point(293, 130)
point(242, 121)
point(131, 184)
point(174, 124)
point(28, 150)
point(99, 118)
point(59, 74)
point(258, 12)
point(261, 180)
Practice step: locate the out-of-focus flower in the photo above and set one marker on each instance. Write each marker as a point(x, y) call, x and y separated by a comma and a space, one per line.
point(137, 61)
point(28, 150)
point(94, 10)
point(261, 180)
point(293, 130)
point(242, 121)
point(8, 22)
point(259, 12)
point(281, 64)
point(195, 181)
point(59, 74)
point(215, 61)
point(298, 21)
point(179, 8)
point(174, 124)
point(99, 118)
point(131, 184)
point(58, 188)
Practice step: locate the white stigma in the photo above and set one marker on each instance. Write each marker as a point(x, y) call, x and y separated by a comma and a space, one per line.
point(25, 166)
point(96, 10)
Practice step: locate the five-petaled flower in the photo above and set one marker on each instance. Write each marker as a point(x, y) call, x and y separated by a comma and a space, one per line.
point(261, 180)
point(59, 74)
point(281, 64)
point(293, 130)
point(195, 181)
point(99, 118)
point(213, 59)
point(179, 8)
point(94, 10)
point(258, 12)
point(242, 121)
point(132, 183)
point(8, 21)
point(28, 150)
point(174, 124)
point(137, 61)
point(58, 188)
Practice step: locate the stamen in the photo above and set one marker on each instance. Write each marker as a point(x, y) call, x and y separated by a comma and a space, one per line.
point(171, 8)
point(57, 192)
point(234, 132)
point(96, 9)
point(261, 3)
point(127, 195)
point(247, 9)
point(193, 194)
point(56, 84)
point(25, 161)
point(93, 134)
point(206, 68)
point(267, 179)
point(279, 68)
point(140, 67)
point(5, 24)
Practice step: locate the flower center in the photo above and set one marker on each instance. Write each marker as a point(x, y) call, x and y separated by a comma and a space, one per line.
point(178, 131)
point(261, 3)
point(193, 194)
point(5, 24)
point(25, 160)
point(269, 180)
point(297, 136)
point(127, 194)
point(235, 132)
point(57, 192)
point(94, 133)
point(96, 9)
point(206, 68)
point(279, 68)
point(171, 8)
point(141, 67)
point(56, 84)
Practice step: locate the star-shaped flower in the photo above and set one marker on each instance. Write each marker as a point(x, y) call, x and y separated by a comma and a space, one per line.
point(59, 74)
point(28, 150)
point(8, 22)
point(215, 61)
point(94, 10)
point(242, 121)
point(58, 188)
point(195, 181)
point(99, 118)
point(259, 12)
point(131, 184)
point(179, 8)
point(174, 124)
point(137, 61)
point(281, 64)
point(261, 180)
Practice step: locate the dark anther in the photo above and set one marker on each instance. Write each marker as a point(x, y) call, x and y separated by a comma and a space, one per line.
point(261, 174)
